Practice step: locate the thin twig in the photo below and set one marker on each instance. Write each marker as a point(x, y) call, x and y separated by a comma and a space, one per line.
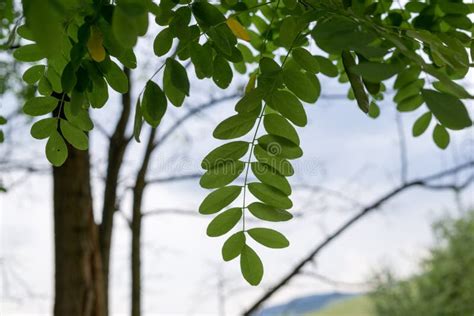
point(422, 182)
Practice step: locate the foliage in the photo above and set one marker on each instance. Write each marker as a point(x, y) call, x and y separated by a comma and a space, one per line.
point(365, 43)
point(445, 285)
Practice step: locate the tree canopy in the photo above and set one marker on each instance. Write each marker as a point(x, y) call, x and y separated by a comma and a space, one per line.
point(283, 46)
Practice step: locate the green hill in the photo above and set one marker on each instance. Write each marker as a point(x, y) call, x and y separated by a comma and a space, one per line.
point(359, 306)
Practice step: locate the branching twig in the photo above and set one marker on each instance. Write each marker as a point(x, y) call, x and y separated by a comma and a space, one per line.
point(422, 182)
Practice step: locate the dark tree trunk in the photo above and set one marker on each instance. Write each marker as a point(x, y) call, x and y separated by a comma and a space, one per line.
point(136, 252)
point(136, 225)
point(79, 288)
point(117, 146)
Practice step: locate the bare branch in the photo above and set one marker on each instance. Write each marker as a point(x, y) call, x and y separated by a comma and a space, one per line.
point(422, 182)
point(171, 211)
point(182, 177)
point(190, 114)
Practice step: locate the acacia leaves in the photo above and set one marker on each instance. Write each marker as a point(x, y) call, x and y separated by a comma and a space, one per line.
point(79, 52)
point(280, 88)
point(154, 104)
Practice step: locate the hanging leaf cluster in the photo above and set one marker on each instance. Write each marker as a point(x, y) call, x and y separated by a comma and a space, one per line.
point(76, 47)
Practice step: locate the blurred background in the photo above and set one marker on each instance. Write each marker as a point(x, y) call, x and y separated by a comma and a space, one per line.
point(351, 163)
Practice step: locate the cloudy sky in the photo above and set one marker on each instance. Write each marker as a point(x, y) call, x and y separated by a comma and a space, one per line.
point(344, 151)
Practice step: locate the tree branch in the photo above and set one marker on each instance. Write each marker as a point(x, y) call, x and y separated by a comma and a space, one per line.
point(190, 114)
point(422, 182)
point(182, 177)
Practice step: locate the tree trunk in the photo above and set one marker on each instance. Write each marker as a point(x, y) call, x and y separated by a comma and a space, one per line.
point(117, 146)
point(136, 225)
point(79, 288)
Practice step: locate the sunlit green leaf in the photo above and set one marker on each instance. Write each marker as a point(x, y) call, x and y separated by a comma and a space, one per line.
point(224, 222)
point(219, 199)
point(251, 266)
point(233, 246)
point(269, 237)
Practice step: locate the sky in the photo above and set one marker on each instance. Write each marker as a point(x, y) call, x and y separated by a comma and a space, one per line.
point(344, 151)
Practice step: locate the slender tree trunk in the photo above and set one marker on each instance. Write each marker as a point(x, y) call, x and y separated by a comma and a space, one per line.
point(136, 253)
point(117, 146)
point(79, 288)
point(138, 191)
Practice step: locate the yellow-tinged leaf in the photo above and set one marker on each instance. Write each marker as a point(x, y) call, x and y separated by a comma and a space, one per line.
point(251, 84)
point(95, 44)
point(237, 28)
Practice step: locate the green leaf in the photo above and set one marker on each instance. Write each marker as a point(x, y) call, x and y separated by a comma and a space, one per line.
point(270, 195)
point(326, 66)
point(251, 101)
point(45, 23)
point(279, 146)
point(251, 266)
point(68, 78)
point(99, 94)
point(178, 75)
point(410, 104)
point(124, 28)
point(269, 67)
point(269, 237)
point(376, 72)
point(288, 31)
point(154, 104)
point(277, 125)
point(340, 33)
point(406, 77)
point(408, 91)
point(40, 106)
point(222, 74)
point(219, 199)
point(233, 246)
point(235, 126)
point(206, 14)
point(269, 213)
point(269, 176)
point(307, 61)
point(449, 110)
point(222, 174)
point(421, 124)
point(374, 110)
point(56, 149)
point(74, 135)
point(77, 101)
point(138, 121)
point(278, 163)
point(44, 86)
point(298, 83)
point(201, 57)
point(34, 74)
point(441, 136)
point(228, 152)
point(173, 94)
point(163, 42)
point(289, 106)
point(224, 222)
point(29, 53)
point(116, 78)
point(80, 119)
point(44, 128)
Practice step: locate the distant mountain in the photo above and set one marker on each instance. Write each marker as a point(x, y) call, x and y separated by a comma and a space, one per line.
point(304, 305)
